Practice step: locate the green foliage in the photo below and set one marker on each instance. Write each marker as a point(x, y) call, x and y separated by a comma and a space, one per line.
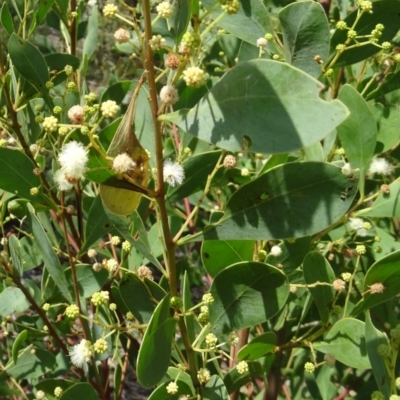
point(203, 192)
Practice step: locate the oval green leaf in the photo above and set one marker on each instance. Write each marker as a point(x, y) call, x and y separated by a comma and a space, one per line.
point(18, 344)
point(317, 269)
point(306, 34)
point(214, 390)
point(385, 271)
point(217, 255)
point(246, 294)
point(31, 364)
point(346, 342)
point(12, 300)
point(386, 205)
point(374, 338)
point(51, 261)
point(80, 390)
point(358, 133)
point(288, 201)
point(140, 297)
point(155, 350)
point(16, 174)
point(253, 107)
point(258, 347)
point(29, 62)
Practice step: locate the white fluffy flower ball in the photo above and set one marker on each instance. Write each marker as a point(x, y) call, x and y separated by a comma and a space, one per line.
point(174, 174)
point(380, 166)
point(61, 181)
point(73, 159)
point(81, 353)
point(276, 251)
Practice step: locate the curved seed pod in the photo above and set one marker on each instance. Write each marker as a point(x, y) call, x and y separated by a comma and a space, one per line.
point(123, 201)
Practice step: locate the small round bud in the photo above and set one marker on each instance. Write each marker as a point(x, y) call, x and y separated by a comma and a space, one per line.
point(100, 298)
point(340, 47)
point(269, 36)
point(100, 346)
point(58, 391)
point(351, 34)
point(50, 124)
point(172, 388)
point(208, 299)
point(329, 72)
point(38, 107)
point(112, 306)
point(69, 70)
point(330, 359)
point(115, 240)
point(244, 172)
point(57, 110)
point(262, 255)
point(385, 189)
point(156, 42)
point(309, 367)
point(194, 76)
point(165, 9)
point(341, 25)
point(109, 109)
point(126, 246)
point(46, 307)
point(377, 395)
point(361, 249)
point(71, 87)
point(111, 265)
point(386, 46)
point(346, 276)
point(203, 375)
point(383, 350)
point(49, 85)
point(70, 209)
point(34, 191)
point(242, 367)
point(231, 6)
point(72, 311)
point(176, 302)
point(63, 130)
point(211, 340)
point(110, 10)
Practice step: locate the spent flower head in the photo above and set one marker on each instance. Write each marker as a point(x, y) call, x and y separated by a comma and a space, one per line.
point(145, 272)
point(377, 288)
point(75, 114)
point(169, 95)
point(121, 35)
point(262, 42)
